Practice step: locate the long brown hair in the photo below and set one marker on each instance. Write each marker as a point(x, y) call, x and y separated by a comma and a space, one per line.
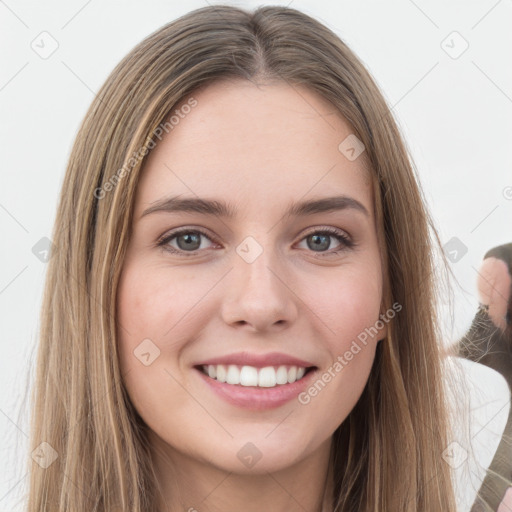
point(386, 456)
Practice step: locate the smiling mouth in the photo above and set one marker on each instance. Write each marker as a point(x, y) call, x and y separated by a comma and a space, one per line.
point(251, 376)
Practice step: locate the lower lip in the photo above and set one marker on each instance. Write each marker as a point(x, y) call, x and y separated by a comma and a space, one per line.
point(256, 398)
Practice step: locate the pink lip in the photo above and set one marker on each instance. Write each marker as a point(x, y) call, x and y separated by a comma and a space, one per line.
point(257, 360)
point(256, 398)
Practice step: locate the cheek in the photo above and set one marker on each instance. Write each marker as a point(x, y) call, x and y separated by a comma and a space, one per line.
point(347, 304)
point(349, 309)
point(158, 313)
point(144, 314)
point(152, 327)
point(155, 303)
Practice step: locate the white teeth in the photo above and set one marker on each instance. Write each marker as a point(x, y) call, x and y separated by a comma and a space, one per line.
point(249, 376)
point(267, 377)
point(282, 375)
point(233, 375)
point(221, 372)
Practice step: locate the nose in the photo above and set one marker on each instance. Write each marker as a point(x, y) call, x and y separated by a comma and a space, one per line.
point(259, 294)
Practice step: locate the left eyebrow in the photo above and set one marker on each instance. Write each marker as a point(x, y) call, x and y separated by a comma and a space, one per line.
point(221, 209)
point(326, 204)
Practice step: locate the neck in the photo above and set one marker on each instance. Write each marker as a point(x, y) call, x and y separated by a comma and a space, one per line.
point(195, 485)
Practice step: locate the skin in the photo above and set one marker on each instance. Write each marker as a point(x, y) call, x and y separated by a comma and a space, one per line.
point(259, 148)
point(494, 285)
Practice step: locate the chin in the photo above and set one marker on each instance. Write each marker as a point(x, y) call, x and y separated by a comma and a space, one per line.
point(251, 455)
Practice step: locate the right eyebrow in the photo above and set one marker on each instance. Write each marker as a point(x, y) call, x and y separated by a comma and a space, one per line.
point(191, 205)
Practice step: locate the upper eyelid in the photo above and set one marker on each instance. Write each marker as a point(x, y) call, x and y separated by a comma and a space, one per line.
point(168, 235)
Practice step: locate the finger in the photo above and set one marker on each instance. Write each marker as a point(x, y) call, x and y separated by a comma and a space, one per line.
point(494, 284)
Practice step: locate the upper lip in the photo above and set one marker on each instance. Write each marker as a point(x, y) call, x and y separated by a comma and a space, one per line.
point(257, 360)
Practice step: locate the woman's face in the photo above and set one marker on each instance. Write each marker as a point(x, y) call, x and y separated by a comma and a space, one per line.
point(230, 270)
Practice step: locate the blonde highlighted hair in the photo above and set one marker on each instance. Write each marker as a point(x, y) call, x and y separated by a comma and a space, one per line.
point(386, 456)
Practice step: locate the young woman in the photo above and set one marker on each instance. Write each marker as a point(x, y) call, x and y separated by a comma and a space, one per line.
point(240, 311)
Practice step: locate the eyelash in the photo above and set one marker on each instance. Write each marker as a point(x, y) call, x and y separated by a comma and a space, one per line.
point(346, 242)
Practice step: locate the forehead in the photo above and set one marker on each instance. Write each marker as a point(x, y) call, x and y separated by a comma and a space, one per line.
point(254, 145)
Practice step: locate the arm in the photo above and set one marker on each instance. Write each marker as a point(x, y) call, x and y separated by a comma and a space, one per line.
point(489, 342)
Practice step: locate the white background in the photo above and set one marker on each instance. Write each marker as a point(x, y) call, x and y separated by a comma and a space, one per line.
point(455, 114)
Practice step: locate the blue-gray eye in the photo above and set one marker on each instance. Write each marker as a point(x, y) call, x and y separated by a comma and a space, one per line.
point(319, 241)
